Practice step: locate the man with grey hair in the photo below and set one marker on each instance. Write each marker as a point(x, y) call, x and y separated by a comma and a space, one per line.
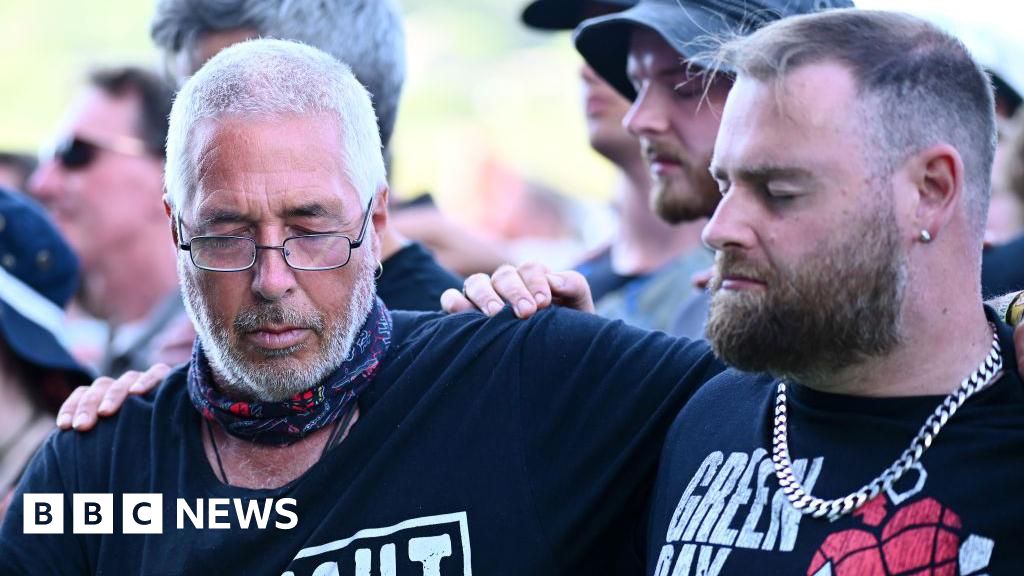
point(316, 432)
point(368, 36)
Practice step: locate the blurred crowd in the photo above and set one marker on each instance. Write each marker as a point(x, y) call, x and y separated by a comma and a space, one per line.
point(89, 274)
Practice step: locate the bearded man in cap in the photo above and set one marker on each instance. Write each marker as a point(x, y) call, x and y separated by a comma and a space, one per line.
point(644, 275)
point(647, 54)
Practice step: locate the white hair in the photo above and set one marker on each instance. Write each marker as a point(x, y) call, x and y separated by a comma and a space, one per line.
point(268, 78)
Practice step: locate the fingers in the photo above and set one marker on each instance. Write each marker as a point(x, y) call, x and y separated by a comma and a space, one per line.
point(479, 291)
point(570, 289)
point(453, 302)
point(525, 288)
point(68, 409)
point(535, 277)
point(149, 379)
point(130, 382)
point(105, 396)
point(528, 288)
point(88, 404)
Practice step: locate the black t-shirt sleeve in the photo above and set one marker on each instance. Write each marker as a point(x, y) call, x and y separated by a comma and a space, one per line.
point(49, 472)
point(413, 280)
point(597, 399)
point(1001, 269)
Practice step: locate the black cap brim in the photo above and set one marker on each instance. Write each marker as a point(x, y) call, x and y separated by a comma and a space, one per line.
point(604, 41)
point(562, 14)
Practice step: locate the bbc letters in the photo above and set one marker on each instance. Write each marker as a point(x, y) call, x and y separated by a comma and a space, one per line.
point(144, 514)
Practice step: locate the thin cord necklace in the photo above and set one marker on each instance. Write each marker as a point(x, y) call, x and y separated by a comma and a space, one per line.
point(987, 373)
point(333, 439)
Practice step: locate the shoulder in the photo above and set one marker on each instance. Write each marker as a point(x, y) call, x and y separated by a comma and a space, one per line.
point(729, 402)
point(554, 322)
point(438, 330)
point(127, 431)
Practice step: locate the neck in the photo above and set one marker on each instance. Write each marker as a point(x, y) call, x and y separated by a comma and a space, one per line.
point(125, 289)
point(645, 242)
point(946, 337)
point(261, 467)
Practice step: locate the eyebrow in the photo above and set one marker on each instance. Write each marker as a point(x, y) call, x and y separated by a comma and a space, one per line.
point(312, 210)
point(227, 216)
point(764, 172)
point(220, 216)
point(664, 73)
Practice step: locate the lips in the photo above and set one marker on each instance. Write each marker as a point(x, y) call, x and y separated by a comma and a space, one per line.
point(737, 283)
point(663, 164)
point(661, 157)
point(277, 337)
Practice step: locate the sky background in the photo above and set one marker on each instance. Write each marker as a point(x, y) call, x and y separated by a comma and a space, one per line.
point(483, 92)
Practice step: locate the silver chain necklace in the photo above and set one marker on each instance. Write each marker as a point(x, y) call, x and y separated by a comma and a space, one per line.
point(987, 373)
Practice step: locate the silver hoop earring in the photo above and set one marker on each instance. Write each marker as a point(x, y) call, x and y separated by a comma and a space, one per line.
point(380, 270)
point(926, 236)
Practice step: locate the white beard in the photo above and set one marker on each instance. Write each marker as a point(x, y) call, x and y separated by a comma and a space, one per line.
point(276, 379)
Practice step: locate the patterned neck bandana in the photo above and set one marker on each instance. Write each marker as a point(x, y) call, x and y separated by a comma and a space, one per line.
point(286, 422)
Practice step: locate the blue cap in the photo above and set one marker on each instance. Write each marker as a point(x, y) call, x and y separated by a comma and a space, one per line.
point(687, 25)
point(38, 275)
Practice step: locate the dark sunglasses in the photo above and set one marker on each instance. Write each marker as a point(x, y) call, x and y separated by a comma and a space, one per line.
point(76, 153)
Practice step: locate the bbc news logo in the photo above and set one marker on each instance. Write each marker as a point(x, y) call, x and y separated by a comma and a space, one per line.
point(144, 513)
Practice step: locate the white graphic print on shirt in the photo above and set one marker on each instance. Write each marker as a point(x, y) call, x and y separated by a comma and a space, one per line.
point(724, 504)
point(428, 546)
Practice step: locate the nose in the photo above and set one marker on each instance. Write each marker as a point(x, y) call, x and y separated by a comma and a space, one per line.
point(587, 74)
point(273, 279)
point(730, 225)
point(47, 182)
point(647, 115)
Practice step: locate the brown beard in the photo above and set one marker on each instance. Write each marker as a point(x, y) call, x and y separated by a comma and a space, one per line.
point(832, 310)
point(684, 198)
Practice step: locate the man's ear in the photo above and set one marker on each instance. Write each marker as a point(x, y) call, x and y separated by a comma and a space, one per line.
point(170, 219)
point(380, 217)
point(938, 174)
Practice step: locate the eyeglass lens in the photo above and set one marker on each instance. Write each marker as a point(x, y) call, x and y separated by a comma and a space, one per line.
point(75, 153)
point(304, 252)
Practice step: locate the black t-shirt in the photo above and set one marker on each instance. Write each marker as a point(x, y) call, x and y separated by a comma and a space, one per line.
point(413, 280)
point(601, 276)
point(495, 446)
point(1002, 269)
point(718, 509)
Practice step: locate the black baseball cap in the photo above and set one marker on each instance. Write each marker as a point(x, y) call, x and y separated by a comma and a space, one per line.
point(687, 25)
point(565, 14)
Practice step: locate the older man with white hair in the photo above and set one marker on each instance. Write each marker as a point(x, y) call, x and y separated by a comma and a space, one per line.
point(316, 432)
